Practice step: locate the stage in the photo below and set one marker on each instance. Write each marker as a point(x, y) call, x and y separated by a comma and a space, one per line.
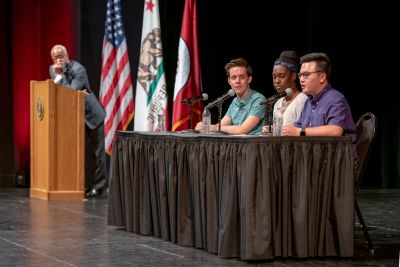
point(75, 233)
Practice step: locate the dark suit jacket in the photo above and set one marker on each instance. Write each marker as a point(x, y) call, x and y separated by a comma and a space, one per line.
point(76, 78)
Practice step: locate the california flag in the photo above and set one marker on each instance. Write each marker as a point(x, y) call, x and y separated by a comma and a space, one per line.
point(151, 91)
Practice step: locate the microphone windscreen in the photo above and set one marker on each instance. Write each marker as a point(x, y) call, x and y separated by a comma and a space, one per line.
point(231, 92)
point(205, 96)
point(289, 91)
point(57, 79)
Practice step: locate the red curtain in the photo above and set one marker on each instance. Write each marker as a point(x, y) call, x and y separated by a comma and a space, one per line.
point(36, 26)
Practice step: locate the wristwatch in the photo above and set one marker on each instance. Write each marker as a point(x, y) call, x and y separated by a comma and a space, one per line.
point(303, 132)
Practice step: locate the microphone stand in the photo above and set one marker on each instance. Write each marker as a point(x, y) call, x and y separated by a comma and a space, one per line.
point(190, 120)
point(219, 119)
point(269, 116)
point(190, 114)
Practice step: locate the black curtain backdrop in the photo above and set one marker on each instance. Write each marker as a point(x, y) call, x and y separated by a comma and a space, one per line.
point(358, 39)
point(6, 139)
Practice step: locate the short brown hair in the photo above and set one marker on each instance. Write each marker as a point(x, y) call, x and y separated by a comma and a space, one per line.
point(238, 62)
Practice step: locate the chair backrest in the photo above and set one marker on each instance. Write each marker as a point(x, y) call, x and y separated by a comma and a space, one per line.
point(365, 127)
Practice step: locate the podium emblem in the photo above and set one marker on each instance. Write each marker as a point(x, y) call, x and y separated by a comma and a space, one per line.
point(39, 108)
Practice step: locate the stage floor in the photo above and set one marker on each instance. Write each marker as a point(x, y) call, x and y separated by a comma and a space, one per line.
point(75, 233)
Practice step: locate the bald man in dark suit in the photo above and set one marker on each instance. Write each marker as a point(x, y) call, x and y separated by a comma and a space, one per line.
point(72, 74)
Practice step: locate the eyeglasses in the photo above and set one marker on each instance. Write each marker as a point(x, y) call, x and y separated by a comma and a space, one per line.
point(307, 73)
point(55, 57)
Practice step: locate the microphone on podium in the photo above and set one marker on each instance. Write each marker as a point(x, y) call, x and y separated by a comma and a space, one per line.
point(221, 99)
point(194, 99)
point(58, 78)
point(273, 98)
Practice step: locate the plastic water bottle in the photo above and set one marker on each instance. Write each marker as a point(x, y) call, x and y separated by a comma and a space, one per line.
point(277, 123)
point(206, 121)
point(161, 120)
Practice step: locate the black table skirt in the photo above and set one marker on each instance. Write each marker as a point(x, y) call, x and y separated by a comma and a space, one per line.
point(247, 197)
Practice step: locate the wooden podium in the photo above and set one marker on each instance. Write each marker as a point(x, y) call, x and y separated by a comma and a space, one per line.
point(57, 142)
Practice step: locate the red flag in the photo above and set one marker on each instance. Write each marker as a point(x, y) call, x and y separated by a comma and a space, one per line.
point(116, 95)
point(188, 75)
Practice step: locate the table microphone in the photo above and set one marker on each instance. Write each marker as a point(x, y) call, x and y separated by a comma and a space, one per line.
point(194, 99)
point(221, 99)
point(273, 98)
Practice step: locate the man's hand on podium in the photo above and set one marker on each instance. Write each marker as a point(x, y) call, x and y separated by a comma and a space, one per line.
point(85, 91)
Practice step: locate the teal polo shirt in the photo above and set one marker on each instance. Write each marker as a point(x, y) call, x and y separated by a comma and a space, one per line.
point(239, 110)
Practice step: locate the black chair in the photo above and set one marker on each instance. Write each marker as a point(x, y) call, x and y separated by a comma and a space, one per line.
point(365, 126)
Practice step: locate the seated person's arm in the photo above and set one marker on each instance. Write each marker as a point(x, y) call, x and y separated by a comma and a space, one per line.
point(244, 128)
point(214, 127)
point(325, 130)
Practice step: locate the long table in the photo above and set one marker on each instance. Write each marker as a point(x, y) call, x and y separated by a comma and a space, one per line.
point(236, 196)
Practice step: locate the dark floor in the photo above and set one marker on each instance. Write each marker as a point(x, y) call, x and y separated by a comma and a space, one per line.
point(75, 233)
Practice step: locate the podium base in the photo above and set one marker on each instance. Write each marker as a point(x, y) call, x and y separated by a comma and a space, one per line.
point(56, 195)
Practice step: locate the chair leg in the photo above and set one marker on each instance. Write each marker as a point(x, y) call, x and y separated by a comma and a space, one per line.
point(364, 228)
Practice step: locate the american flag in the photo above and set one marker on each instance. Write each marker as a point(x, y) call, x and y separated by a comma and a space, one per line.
point(116, 95)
